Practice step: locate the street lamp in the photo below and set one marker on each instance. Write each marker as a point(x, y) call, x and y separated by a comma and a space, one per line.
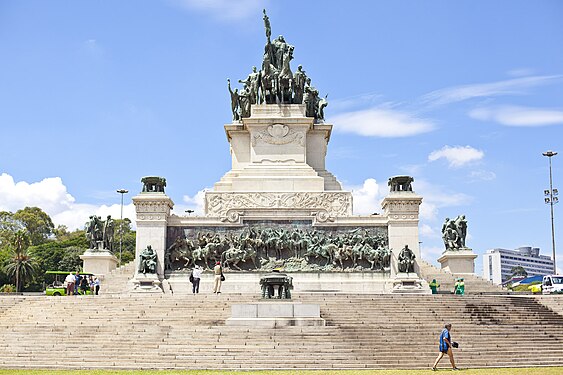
point(121, 191)
point(551, 199)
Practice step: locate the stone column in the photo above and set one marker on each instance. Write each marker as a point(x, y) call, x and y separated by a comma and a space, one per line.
point(153, 210)
point(401, 209)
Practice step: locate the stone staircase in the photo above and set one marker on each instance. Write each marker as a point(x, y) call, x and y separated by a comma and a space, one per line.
point(473, 283)
point(116, 280)
point(189, 332)
point(552, 302)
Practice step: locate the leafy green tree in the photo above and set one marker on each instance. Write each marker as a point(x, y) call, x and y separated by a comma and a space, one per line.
point(21, 264)
point(38, 224)
point(8, 226)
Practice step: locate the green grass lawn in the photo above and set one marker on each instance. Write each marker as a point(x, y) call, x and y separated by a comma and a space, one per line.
point(487, 371)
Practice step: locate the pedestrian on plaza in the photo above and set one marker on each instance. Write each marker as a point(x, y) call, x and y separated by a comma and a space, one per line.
point(84, 285)
point(196, 277)
point(96, 285)
point(77, 279)
point(69, 282)
point(434, 286)
point(218, 271)
point(446, 345)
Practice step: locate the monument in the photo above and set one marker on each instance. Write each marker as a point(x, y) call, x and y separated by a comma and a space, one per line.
point(99, 258)
point(279, 207)
point(457, 258)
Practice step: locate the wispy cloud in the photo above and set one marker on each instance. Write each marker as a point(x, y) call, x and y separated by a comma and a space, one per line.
point(435, 197)
point(381, 122)
point(516, 86)
point(457, 156)
point(482, 175)
point(230, 10)
point(518, 116)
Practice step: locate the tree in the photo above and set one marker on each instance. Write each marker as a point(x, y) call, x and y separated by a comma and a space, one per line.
point(38, 224)
point(8, 226)
point(21, 265)
point(519, 271)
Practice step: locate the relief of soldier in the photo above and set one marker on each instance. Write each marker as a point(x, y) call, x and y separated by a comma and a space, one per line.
point(252, 247)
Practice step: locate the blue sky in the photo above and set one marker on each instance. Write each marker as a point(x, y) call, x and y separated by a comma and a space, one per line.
point(464, 96)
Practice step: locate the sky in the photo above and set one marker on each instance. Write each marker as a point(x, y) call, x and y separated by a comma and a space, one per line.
point(464, 96)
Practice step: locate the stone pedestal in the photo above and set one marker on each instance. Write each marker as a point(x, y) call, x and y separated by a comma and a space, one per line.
point(99, 262)
point(275, 314)
point(146, 283)
point(458, 261)
point(153, 210)
point(401, 209)
point(410, 283)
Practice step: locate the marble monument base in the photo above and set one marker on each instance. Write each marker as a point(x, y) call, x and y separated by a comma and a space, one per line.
point(410, 283)
point(458, 261)
point(99, 262)
point(275, 314)
point(146, 283)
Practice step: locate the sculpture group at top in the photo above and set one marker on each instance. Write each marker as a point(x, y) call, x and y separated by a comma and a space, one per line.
point(100, 233)
point(454, 233)
point(275, 83)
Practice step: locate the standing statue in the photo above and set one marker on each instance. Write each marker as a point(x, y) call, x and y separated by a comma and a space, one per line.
point(285, 78)
point(454, 233)
point(252, 82)
point(267, 26)
point(108, 231)
point(94, 231)
point(234, 102)
point(406, 260)
point(311, 100)
point(245, 102)
point(268, 82)
point(461, 226)
point(147, 261)
point(280, 47)
point(299, 78)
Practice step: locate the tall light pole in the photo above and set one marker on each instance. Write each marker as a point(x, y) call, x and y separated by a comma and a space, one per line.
point(551, 199)
point(121, 191)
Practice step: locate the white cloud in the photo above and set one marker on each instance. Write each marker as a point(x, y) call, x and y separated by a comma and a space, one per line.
point(234, 10)
point(457, 156)
point(430, 252)
point(366, 197)
point(381, 122)
point(435, 198)
point(508, 87)
point(518, 116)
point(50, 194)
point(426, 231)
point(482, 175)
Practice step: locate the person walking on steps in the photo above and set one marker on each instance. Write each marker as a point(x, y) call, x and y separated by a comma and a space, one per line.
point(446, 345)
point(218, 272)
point(434, 286)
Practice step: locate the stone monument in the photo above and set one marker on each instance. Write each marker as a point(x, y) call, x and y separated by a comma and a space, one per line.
point(457, 258)
point(99, 258)
point(279, 207)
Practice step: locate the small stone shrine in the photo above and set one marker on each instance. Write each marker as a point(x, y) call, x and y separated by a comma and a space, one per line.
point(279, 207)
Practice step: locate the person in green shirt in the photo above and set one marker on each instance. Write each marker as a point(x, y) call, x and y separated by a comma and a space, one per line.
point(434, 286)
point(459, 287)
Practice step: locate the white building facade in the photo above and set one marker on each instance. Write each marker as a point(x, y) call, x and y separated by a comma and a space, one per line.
point(498, 263)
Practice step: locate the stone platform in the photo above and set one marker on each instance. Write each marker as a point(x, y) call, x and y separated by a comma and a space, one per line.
point(307, 282)
point(275, 314)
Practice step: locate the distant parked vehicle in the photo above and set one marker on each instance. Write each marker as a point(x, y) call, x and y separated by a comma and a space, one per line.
point(552, 284)
point(55, 286)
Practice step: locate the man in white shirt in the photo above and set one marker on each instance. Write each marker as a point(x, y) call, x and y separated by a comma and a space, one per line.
point(69, 280)
point(196, 273)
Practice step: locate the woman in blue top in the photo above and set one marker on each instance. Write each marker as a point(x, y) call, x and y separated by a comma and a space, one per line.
point(445, 347)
